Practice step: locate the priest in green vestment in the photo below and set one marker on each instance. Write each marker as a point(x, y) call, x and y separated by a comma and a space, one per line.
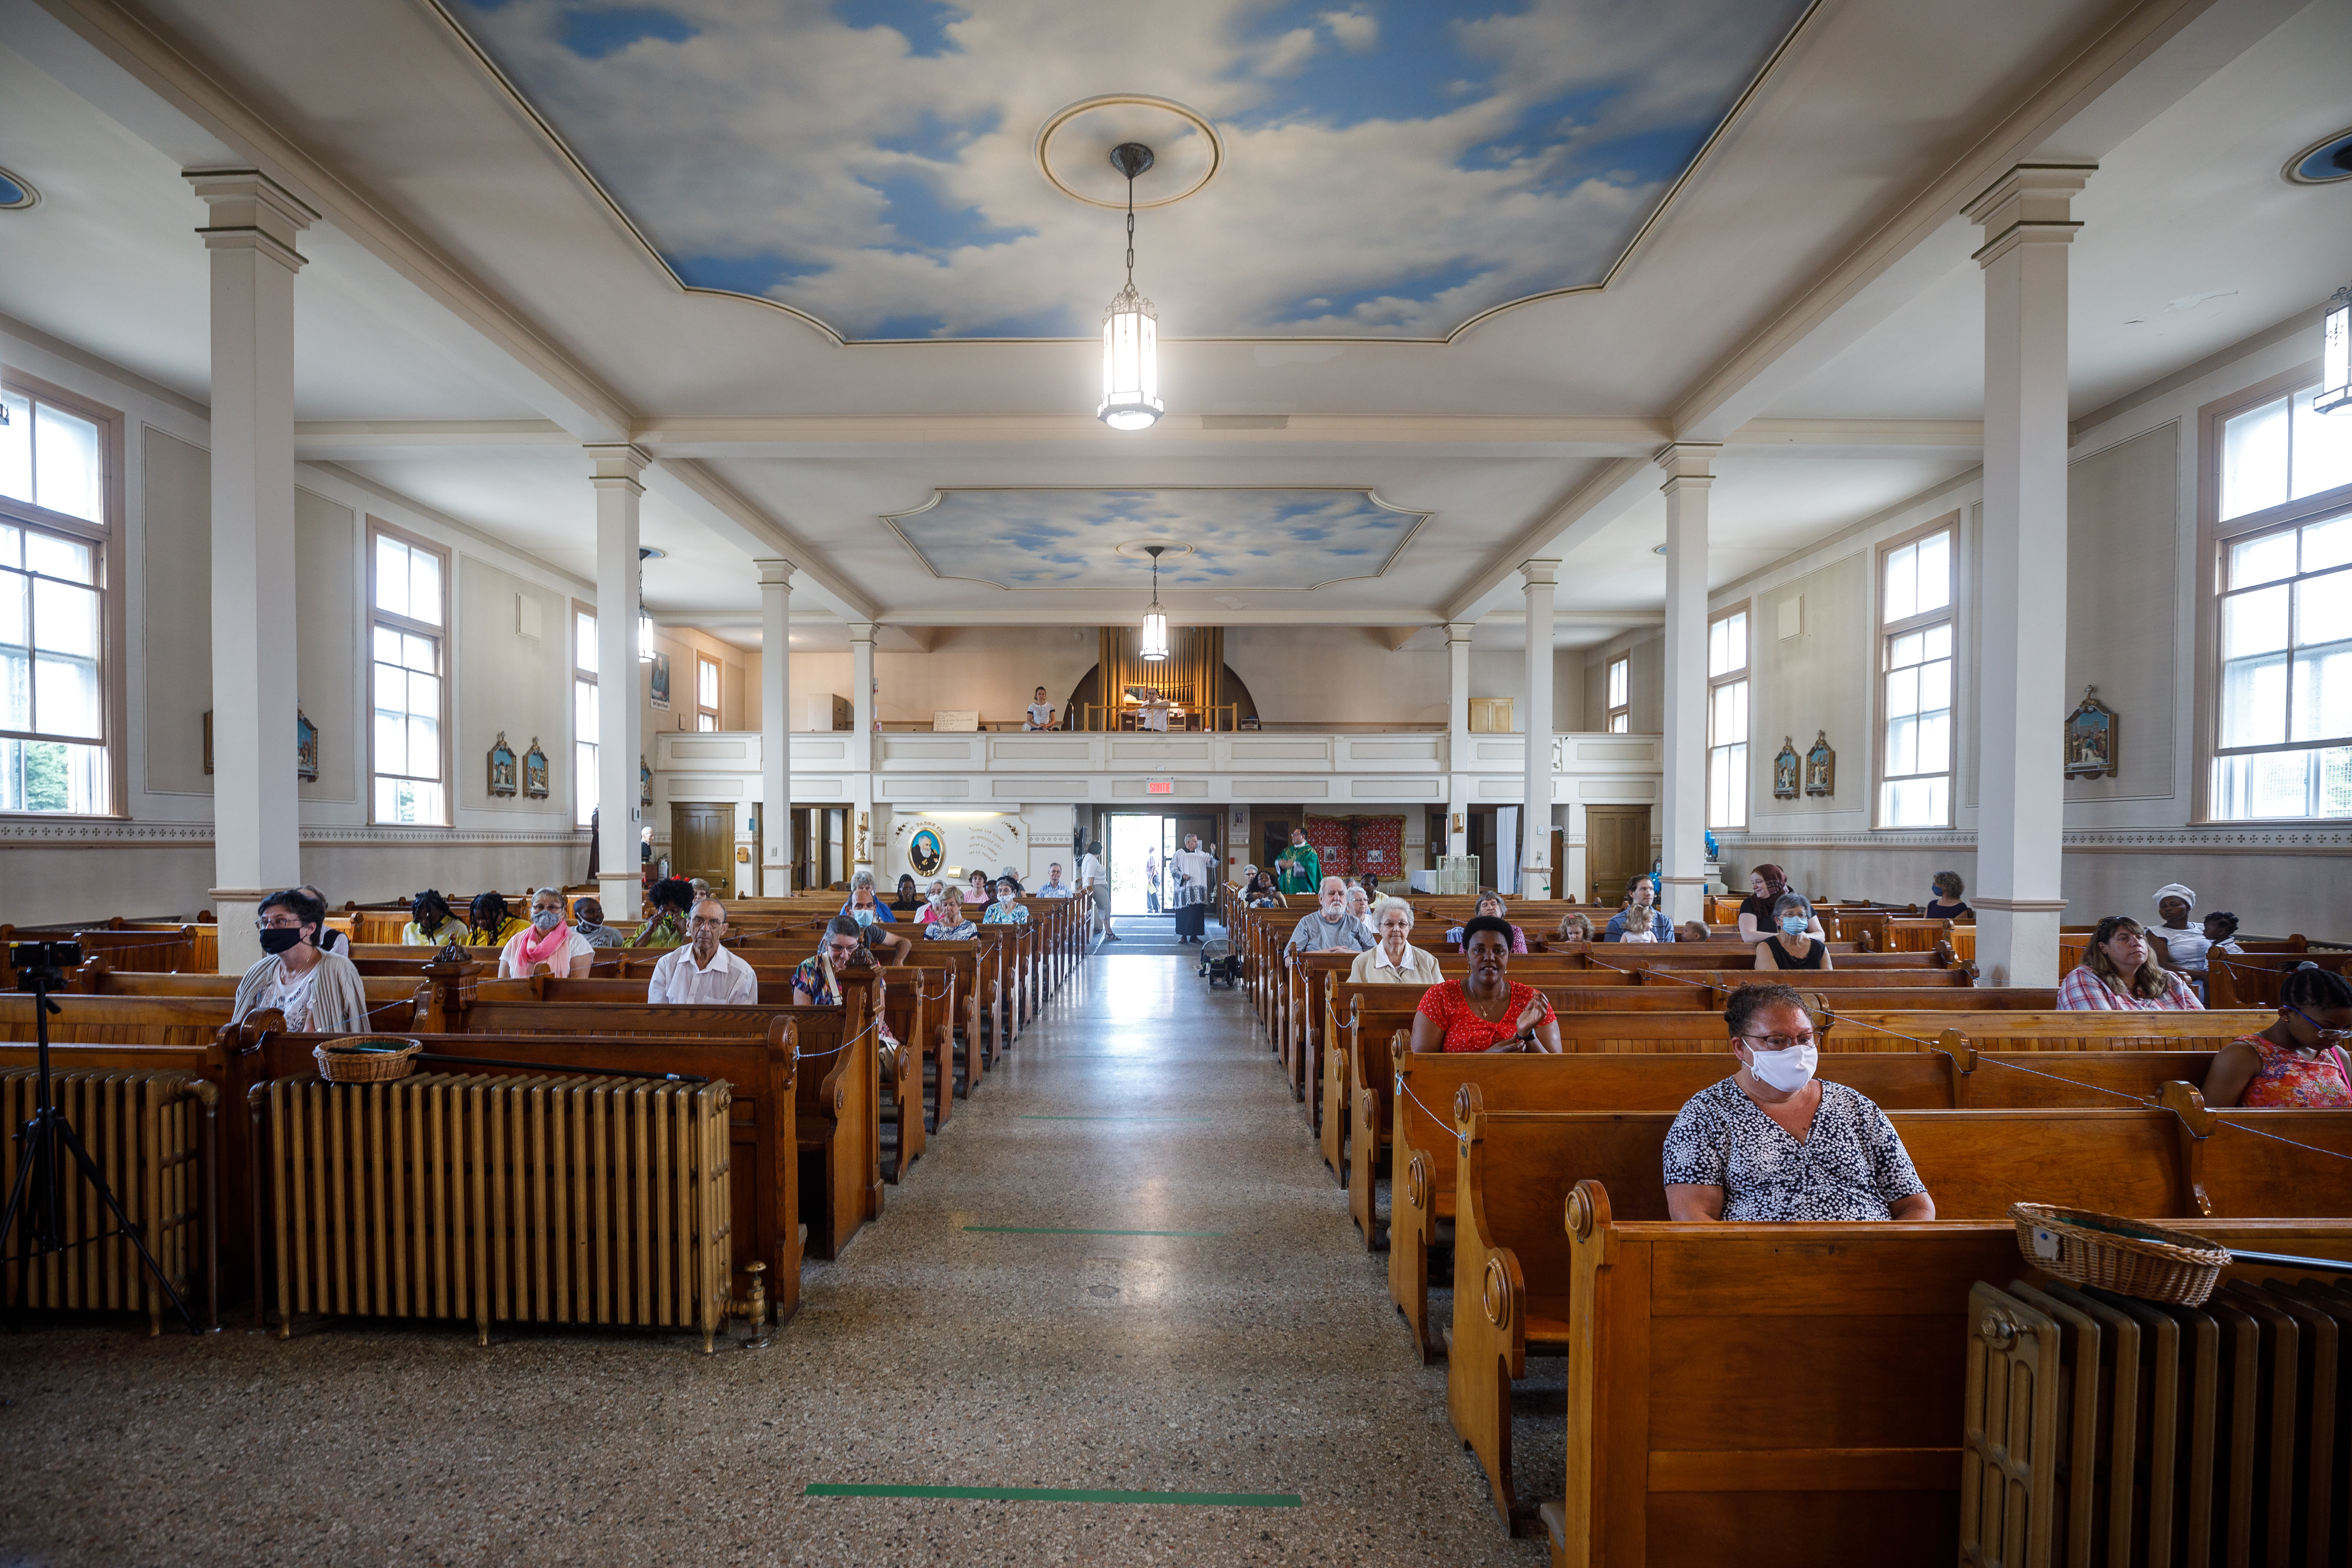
point(1300, 868)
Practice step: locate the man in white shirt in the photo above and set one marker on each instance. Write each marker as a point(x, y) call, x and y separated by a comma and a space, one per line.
point(1193, 868)
point(1153, 714)
point(1094, 882)
point(1053, 888)
point(702, 971)
point(1040, 713)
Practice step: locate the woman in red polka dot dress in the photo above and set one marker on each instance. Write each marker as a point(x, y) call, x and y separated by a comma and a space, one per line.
point(1485, 1011)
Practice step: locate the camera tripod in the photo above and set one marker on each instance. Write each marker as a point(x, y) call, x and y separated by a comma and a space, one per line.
point(39, 1188)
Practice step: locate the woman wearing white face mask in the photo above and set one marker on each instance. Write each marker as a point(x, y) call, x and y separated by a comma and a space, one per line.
point(1793, 948)
point(1774, 1144)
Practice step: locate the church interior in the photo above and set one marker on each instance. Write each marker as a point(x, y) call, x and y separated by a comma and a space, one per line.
point(1033, 762)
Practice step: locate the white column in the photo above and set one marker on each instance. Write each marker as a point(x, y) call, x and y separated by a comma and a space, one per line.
point(257, 811)
point(775, 728)
point(1535, 817)
point(861, 745)
point(1682, 820)
point(1457, 737)
point(2020, 832)
point(620, 738)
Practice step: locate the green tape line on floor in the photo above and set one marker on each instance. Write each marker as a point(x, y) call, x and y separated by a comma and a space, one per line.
point(1064, 1494)
point(1138, 1118)
point(1062, 1230)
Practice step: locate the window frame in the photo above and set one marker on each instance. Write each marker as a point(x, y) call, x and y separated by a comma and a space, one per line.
point(2214, 538)
point(1740, 675)
point(107, 558)
point(443, 635)
point(1618, 717)
point(582, 778)
point(717, 677)
point(1884, 632)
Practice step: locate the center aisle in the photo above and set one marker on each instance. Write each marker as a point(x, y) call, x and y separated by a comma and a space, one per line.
point(1248, 1348)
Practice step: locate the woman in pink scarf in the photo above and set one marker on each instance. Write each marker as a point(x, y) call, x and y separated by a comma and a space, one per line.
point(547, 942)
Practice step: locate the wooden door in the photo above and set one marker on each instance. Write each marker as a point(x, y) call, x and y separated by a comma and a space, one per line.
point(702, 844)
point(1616, 851)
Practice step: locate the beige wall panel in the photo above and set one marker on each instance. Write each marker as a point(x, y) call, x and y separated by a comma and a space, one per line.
point(2122, 505)
point(327, 636)
point(507, 681)
point(1819, 681)
point(176, 500)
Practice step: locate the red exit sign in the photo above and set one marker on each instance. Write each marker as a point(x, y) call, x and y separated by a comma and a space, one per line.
point(1159, 787)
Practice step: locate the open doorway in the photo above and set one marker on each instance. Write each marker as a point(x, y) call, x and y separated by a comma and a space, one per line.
point(1140, 849)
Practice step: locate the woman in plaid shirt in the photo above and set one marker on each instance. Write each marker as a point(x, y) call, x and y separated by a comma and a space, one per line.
point(2119, 973)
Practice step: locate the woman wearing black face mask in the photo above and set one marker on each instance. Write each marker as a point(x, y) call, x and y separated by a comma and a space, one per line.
point(317, 992)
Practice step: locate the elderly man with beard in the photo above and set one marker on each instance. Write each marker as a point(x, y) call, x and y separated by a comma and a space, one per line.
point(702, 971)
point(1332, 929)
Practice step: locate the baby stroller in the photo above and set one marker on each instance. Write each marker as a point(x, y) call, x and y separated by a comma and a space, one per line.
point(1220, 962)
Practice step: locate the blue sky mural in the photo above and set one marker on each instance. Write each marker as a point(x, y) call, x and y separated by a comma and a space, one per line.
point(1393, 168)
point(1266, 539)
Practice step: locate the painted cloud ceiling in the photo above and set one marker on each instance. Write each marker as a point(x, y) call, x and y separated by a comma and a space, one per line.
point(1265, 539)
point(1391, 168)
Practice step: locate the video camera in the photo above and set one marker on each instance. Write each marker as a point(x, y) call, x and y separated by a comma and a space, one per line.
point(49, 959)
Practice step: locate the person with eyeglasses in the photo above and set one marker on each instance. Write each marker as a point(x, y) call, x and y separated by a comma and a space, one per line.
point(2299, 1061)
point(703, 971)
point(1774, 1144)
point(549, 942)
point(317, 992)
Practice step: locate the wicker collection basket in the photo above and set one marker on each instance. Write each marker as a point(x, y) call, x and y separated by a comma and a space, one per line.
point(2129, 1257)
point(366, 1058)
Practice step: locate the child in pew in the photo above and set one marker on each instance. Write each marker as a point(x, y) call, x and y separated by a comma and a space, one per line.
point(431, 922)
point(491, 923)
point(672, 899)
point(2298, 1061)
point(1773, 1144)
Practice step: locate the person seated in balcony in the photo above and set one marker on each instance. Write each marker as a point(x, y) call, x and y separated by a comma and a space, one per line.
point(1040, 713)
point(1332, 927)
point(2300, 1060)
point(1792, 948)
point(1489, 906)
point(1640, 920)
point(318, 992)
point(1944, 902)
point(548, 944)
point(1766, 883)
point(1772, 1143)
point(1394, 960)
point(671, 898)
point(2119, 973)
point(491, 923)
point(1053, 887)
point(431, 922)
point(1486, 1010)
point(588, 920)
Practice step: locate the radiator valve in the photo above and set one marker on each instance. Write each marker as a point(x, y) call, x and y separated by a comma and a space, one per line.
point(755, 1308)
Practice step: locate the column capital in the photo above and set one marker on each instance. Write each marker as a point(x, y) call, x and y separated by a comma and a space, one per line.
point(1539, 574)
point(775, 572)
point(1688, 463)
point(863, 631)
point(250, 211)
point(2032, 204)
point(617, 463)
point(1458, 631)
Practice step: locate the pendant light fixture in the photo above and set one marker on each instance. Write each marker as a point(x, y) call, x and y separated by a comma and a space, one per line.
point(1155, 619)
point(2335, 356)
point(1130, 327)
point(644, 622)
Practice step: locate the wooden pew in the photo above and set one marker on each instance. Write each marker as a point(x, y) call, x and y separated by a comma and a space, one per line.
point(1421, 1159)
point(146, 1020)
point(1679, 1437)
point(1512, 1267)
point(1863, 1028)
point(2252, 979)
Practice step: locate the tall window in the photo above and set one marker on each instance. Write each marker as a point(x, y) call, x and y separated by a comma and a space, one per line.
point(408, 595)
point(585, 722)
point(1915, 625)
point(54, 532)
point(706, 693)
point(2283, 740)
point(1727, 720)
point(1621, 712)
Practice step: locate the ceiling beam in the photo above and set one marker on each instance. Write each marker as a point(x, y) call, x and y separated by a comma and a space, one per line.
point(538, 371)
point(1592, 507)
point(701, 495)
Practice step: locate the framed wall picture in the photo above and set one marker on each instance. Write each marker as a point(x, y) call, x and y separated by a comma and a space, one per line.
point(534, 772)
point(1821, 766)
point(2091, 739)
point(644, 782)
point(661, 681)
point(306, 746)
point(502, 766)
point(1784, 770)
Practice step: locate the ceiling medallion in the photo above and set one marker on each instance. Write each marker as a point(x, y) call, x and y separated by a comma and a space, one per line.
point(1152, 549)
point(15, 193)
point(1072, 144)
point(2323, 162)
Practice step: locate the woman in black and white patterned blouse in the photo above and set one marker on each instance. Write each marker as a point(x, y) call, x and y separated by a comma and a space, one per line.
point(1772, 1142)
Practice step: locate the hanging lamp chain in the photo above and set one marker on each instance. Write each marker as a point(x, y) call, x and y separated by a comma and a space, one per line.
point(1130, 247)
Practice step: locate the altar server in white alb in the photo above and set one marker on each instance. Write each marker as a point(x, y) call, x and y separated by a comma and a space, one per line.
point(702, 971)
point(1193, 869)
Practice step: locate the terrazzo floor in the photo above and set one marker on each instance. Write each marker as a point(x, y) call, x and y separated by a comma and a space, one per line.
point(1263, 1358)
